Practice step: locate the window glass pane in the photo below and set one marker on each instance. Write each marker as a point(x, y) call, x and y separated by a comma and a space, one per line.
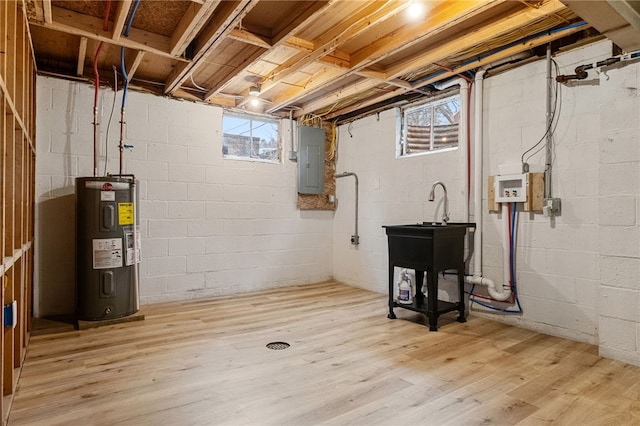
point(445, 126)
point(265, 139)
point(250, 137)
point(418, 130)
point(429, 127)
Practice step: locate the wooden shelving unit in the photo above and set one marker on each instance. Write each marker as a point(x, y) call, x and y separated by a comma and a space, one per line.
point(17, 136)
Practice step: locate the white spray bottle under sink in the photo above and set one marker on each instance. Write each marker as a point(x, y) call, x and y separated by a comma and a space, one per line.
point(405, 291)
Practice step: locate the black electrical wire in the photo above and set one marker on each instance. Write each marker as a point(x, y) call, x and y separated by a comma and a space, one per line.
point(553, 123)
point(557, 110)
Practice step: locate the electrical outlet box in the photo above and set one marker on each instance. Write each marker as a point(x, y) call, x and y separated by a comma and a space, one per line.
point(510, 188)
point(11, 314)
point(552, 207)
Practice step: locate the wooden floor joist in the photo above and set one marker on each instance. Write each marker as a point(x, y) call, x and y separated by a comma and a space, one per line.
point(205, 362)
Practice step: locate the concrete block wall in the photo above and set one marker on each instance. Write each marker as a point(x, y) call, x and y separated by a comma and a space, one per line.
point(393, 191)
point(210, 226)
point(619, 213)
point(573, 268)
point(577, 274)
point(558, 275)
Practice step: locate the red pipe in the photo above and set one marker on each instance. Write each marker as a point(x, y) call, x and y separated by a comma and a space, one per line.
point(105, 26)
point(97, 74)
point(470, 80)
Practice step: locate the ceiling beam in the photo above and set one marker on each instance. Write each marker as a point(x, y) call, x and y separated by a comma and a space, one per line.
point(228, 15)
point(487, 32)
point(38, 10)
point(250, 38)
point(87, 26)
point(135, 64)
point(310, 85)
point(442, 17)
point(47, 10)
point(248, 55)
point(121, 16)
point(479, 35)
point(519, 48)
point(338, 58)
point(192, 21)
point(382, 78)
point(368, 16)
point(82, 54)
point(311, 11)
point(285, 34)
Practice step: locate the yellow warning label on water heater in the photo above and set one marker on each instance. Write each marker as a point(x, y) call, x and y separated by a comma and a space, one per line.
point(125, 213)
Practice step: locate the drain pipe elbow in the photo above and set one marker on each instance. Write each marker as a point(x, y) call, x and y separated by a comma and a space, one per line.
point(477, 278)
point(491, 288)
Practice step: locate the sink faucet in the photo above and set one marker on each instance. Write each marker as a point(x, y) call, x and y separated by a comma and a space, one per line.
point(432, 197)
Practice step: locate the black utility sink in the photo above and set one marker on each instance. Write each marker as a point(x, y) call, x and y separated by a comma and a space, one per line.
point(432, 247)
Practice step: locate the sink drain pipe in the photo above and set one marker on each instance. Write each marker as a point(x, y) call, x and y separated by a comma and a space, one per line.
point(477, 277)
point(355, 238)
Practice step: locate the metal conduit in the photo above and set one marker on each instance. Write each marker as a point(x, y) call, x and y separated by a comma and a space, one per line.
point(355, 238)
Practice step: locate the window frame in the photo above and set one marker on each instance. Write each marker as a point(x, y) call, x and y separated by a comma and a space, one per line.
point(401, 126)
point(250, 118)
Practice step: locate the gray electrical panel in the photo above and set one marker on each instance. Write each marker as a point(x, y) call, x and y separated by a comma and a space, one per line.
point(310, 160)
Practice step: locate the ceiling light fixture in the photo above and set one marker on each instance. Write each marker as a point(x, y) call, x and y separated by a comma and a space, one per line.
point(255, 102)
point(254, 90)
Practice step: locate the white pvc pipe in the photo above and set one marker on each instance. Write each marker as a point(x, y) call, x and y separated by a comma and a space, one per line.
point(477, 208)
point(464, 132)
point(477, 174)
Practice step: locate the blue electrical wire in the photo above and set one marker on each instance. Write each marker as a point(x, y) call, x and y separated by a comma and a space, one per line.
point(126, 77)
point(131, 15)
point(126, 34)
point(512, 244)
point(514, 222)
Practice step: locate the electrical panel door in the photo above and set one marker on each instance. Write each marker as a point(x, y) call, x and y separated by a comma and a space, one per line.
point(310, 160)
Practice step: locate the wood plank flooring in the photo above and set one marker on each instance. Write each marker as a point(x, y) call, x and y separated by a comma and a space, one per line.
point(204, 362)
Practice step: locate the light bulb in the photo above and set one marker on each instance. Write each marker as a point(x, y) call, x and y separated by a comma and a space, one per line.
point(415, 10)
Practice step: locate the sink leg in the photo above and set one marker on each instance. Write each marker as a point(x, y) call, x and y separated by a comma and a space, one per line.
point(461, 316)
point(391, 303)
point(432, 299)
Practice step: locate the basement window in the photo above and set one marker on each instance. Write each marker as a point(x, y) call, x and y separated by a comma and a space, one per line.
point(250, 137)
point(429, 127)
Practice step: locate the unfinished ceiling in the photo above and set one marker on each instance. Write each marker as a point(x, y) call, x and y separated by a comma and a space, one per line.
point(329, 58)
